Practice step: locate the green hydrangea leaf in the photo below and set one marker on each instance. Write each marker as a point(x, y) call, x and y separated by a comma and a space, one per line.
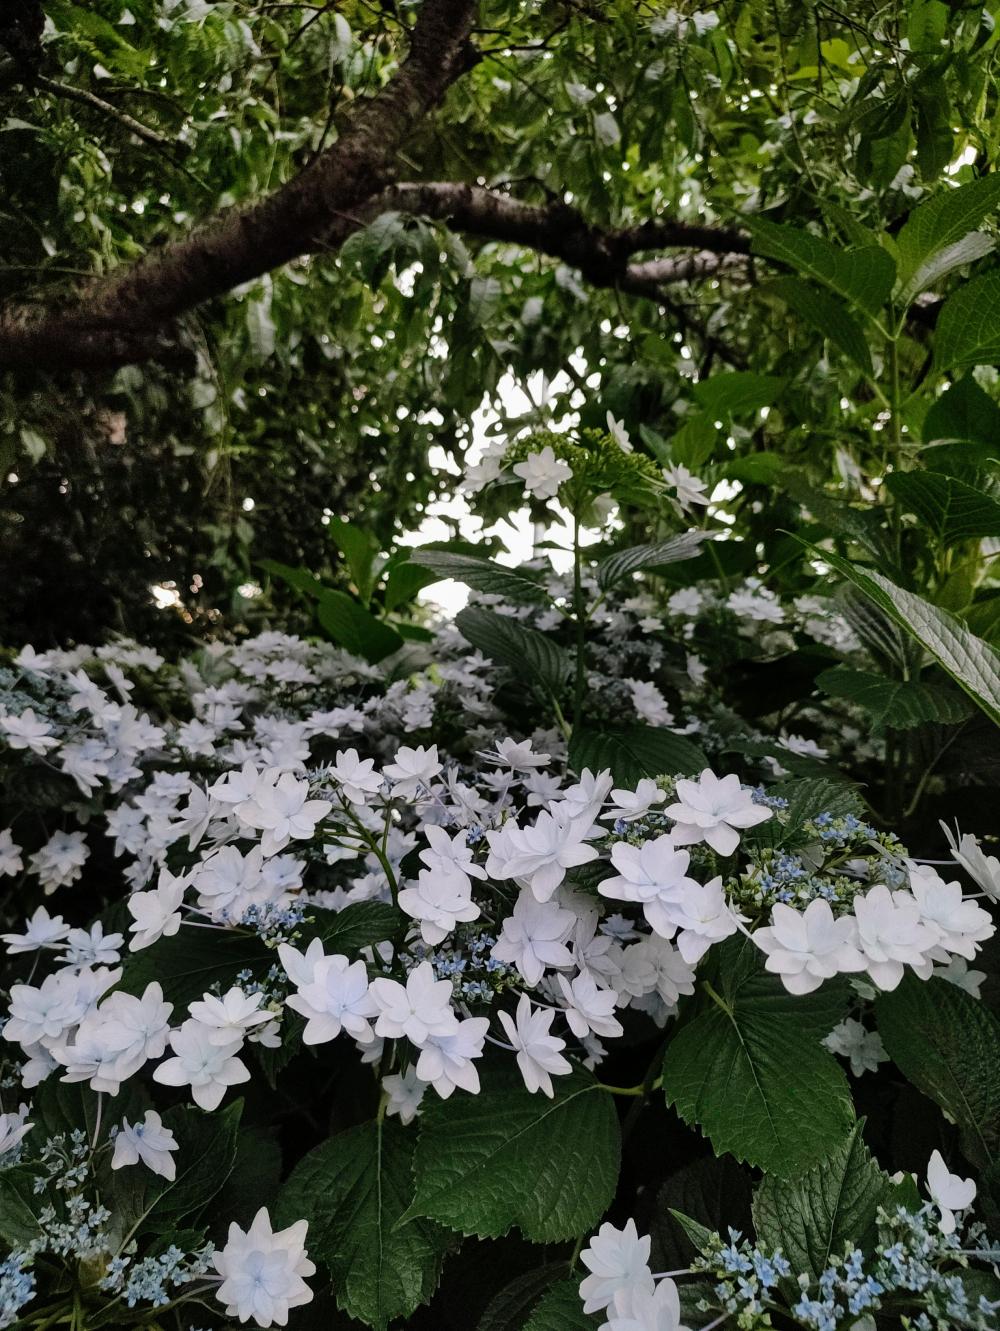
point(485, 1163)
point(353, 1189)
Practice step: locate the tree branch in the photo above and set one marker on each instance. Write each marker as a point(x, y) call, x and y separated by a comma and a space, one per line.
point(122, 318)
point(128, 317)
point(86, 98)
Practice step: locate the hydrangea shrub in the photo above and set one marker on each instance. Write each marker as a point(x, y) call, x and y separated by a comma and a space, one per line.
point(413, 960)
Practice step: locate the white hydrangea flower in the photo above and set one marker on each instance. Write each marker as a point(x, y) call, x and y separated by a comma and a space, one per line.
point(862, 1048)
point(538, 1052)
point(208, 1068)
point(263, 1272)
point(809, 946)
point(949, 1192)
point(715, 810)
point(543, 473)
point(148, 1142)
point(334, 997)
point(618, 1262)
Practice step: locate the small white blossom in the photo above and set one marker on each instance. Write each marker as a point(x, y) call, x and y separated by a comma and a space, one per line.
point(617, 431)
point(411, 769)
point(688, 489)
point(283, 812)
point(891, 935)
point(983, 869)
point(714, 810)
point(652, 875)
point(405, 1091)
point(439, 901)
point(335, 997)
point(13, 1129)
point(208, 1068)
point(230, 1017)
point(649, 703)
point(538, 1052)
point(355, 776)
point(149, 1142)
point(156, 914)
point(534, 937)
point(263, 1272)
point(11, 862)
point(618, 1262)
point(862, 1048)
point(446, 1061)
point(416, 1010)
point(539, 855)
point(519, 755)
point(809, 946)
point(60, 861)
point(949, 1192)
point(543, 473)
point(589, 1009)
point(42, 930)
point(28, 731)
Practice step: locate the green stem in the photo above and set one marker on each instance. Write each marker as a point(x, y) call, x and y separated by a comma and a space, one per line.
point(564, 725)
point(642, 1089)
point(721, 1002)
point(581, 625)
point(376, 850)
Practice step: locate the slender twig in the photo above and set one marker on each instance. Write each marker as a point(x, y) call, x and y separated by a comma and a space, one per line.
point(85, 98)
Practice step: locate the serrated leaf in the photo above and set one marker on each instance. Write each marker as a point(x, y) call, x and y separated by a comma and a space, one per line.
point(515, 646)
point(353, 1189)
point(561, 1309)
point(879, 633)
point(825, 1212)
point(623, 563)
point(863, 275)
point(947, 1044)
point(699, 1235)
point(487, 1162)
point(808, 797)
point(206, 1153)
point(952, 510)
point(483, 575)
point(737, 392)
point(355, 926)
point(692, 445)
point(356, 629)
point(963, 412)
point(894, 704)
point(18, 1200)
point(712, 1192)
point(402, 584)
point(828, 315)
point(634, 752)
point(939, 265)
point(749, 1070)
point(863, 525)
point(968, 327)
point(193, 961)
point(507, 1310)
point(972, 663)
point(935, 227)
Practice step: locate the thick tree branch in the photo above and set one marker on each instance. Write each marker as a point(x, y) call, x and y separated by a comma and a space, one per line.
point(122, 318)
point(129, 317)
point(601, 255)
